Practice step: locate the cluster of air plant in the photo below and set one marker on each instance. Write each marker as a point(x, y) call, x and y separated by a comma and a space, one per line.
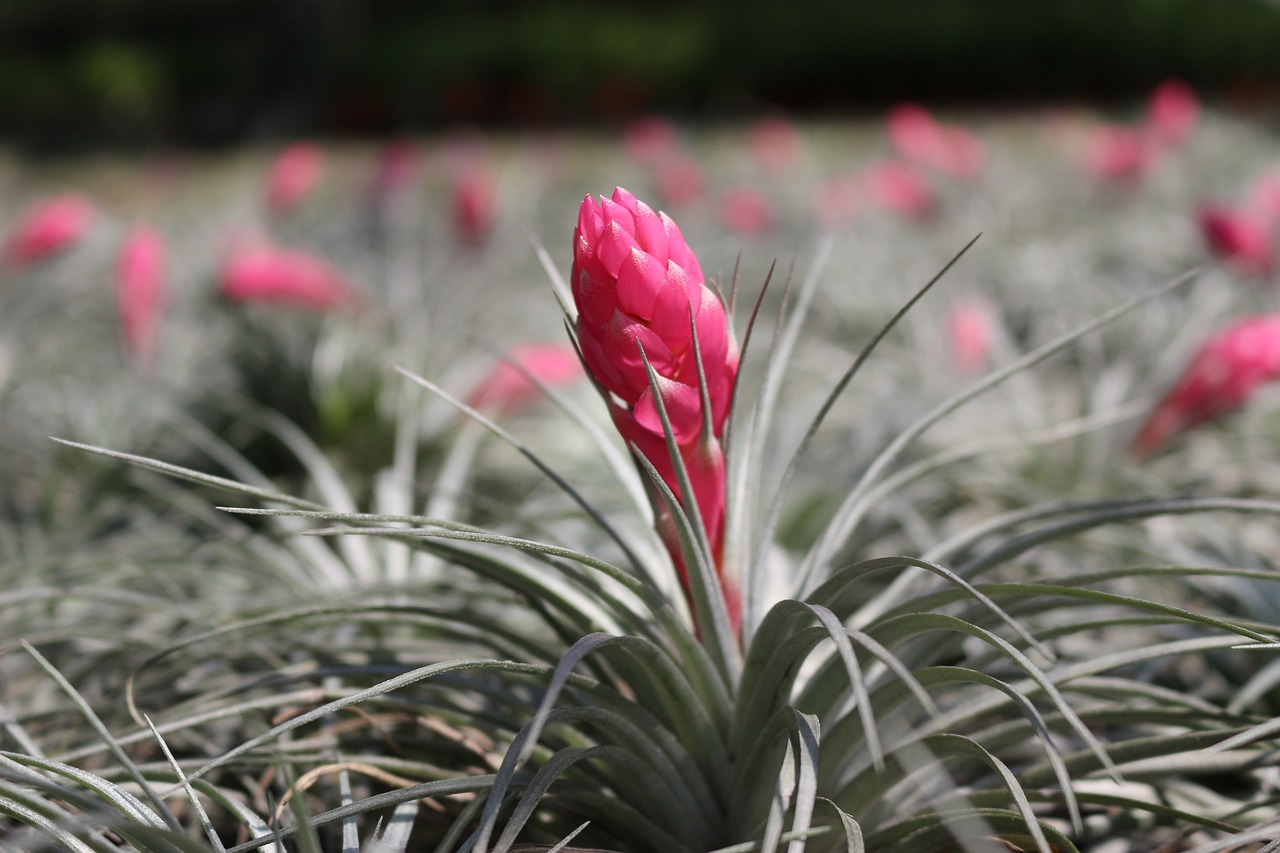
point(669, 665)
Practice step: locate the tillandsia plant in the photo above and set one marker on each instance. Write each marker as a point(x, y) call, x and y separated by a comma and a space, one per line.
point(546, 690)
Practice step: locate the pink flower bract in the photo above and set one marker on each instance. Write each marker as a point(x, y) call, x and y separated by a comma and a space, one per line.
point(680, 180)
point(1117, 153)
point(507, 388)
point(293, 176)
point(1221, 377)
point(1241, 237)
point(48, 227)
point(473, 206)
point(970, 329)
point(265, 273)
point(900, 188)
point(1172, 112)
point(745, 210)
point(922, 139)
point(776, 144)
point(140, 291)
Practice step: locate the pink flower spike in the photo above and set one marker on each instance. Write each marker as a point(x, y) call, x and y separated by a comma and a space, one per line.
point(680, 181)
point(918, 137)
point(264, 273)
point(745, 210)
point(1221, 377)
point(899, 188)
point(507, 388)
point(398, 165)
point(776, 144)
point(1117, 154)
point(649, 139)
point(835, 201)
point(48, 227)
point(140, 291)
point(657, 297)
point(1264, 197)
point(1172, 112)
point(1242, 238)
point(293, 176)
point(474, 206)
point(970, 329)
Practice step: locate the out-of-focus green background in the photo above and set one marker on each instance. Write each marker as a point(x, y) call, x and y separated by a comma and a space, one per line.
point(209, 72)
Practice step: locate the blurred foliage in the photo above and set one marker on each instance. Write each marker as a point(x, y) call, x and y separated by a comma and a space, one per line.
point(202, 71)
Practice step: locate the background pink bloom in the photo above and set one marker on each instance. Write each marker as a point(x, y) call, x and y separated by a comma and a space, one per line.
point(265, 273)
point(899, 188)
point(1221, 377)
point(140, 291)
point(775, 144)
point(970, 329)
point(835, 200)
point(680, 180)
point(1264, 197)
point(919, 137)
point(745, 210)
point(649, 139)
point(1172, 112)
point(293, 176)
point(1241, 237)
point(399, 162)
point(507, 388)
point(1117, 153)
point(472, 205)
point(48, 227)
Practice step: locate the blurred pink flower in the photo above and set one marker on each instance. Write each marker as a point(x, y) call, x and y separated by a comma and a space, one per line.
point(919, 137)
point(507, 388)
point(1221, 377)
point(473, 206)
point(745, 210)
point(1264, 197)
point(140, 291)
point(899, 188)
point(637, 284)
point(680, 180)
point(1116, 153)
point(293, 175)
point(48, 227)
point(970, 329)
point(835, 200)
point(1172, 112)
point(649, 139)
point(775, 144)
point(259, 272)
point(1242, 237)
point(399, 162)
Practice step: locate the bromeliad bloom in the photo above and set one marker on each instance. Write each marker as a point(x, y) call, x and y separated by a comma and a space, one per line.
point(900, 188)
point(921, 138)
point(745, 210)
point(264, 273)
point(1172, 112)
point(473, 206)
point(48, 227)
point(1240, 236)
point(641, 295)
point(970, 329)
point(293, 176)
point(1118, 154)
point(1221, 377)
point(140, 291)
